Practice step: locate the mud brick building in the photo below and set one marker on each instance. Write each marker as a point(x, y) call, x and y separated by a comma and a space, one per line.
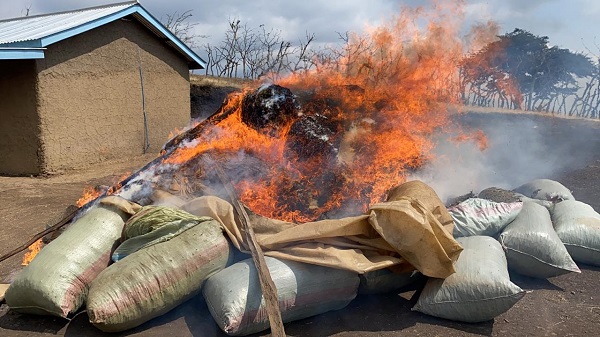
point(84, 86)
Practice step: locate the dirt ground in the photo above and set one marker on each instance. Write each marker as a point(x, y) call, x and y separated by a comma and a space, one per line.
point(567, 305)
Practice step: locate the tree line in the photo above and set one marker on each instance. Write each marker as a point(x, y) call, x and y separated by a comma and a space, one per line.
point(518, 70)
point(522, 71)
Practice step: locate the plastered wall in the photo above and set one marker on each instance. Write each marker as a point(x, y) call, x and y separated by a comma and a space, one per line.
point(90, 95)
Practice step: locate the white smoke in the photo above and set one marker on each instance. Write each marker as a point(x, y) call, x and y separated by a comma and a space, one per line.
point(521, 148)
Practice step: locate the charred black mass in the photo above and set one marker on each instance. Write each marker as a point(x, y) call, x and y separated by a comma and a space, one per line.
point(311, 137)
point(269, 106)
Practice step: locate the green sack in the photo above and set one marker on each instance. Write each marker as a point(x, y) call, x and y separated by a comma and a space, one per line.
point(57, 280)
point(157, 278)
point(152, 225)
point(532, 246)
point(151, 218)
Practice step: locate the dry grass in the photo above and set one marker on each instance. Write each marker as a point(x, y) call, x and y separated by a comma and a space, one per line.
point(478, 109)
point(213, 81)
point(216, 82)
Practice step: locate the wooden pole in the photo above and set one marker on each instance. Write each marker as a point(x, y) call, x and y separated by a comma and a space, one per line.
point(266, 282)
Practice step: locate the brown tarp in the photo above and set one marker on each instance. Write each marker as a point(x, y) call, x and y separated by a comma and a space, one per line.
point(409, 231)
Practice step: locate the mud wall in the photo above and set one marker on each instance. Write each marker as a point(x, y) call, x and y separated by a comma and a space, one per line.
point(90, 95)
point(19, 123)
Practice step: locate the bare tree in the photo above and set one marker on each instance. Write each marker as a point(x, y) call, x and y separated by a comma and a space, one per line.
point(245, 48)
point(26, 10)
point(254, 53)
point(229, 49)
point(180, 25)
point(305, 59)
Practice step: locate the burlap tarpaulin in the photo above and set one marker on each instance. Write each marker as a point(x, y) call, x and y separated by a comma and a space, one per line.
point(409, 231)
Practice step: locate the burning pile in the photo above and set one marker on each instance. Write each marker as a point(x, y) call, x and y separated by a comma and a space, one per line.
point(329, 142)
point(324, 143)
point(292, 163)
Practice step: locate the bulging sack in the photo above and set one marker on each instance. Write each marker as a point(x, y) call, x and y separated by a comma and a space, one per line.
point(157, 278)
point(234, 296)
point(532, 246)
point(479, 290)
point(477, 216)
point(545, 189)
point(418, 190)
point(56, 282)
point(578, 227)
point(501, 195)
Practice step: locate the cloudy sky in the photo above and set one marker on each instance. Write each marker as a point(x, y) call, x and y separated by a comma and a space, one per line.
point(571, 24)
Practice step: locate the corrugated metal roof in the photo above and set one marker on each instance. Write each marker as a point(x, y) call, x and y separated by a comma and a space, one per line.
point(30, 28)
point(43, 30)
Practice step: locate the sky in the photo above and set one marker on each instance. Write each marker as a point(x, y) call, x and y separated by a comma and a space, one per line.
point(571, 24)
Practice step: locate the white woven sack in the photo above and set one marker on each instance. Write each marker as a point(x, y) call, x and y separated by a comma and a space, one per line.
point(532, 246)
point(545, 189)
point(479, 290)
point(235, 300)
point(578, 226)
point(476, 216)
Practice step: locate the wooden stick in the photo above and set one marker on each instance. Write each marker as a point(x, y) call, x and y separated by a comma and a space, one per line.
point(71, 214)
point(266, 282)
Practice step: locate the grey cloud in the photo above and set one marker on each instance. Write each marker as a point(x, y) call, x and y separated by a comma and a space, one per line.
point(526, 5)
point(566, 22)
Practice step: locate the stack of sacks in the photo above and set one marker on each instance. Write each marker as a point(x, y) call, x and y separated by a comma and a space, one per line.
point(576, 223)
point(480, 289)
point(315, 266)
point(165, 259)
point(546, 237)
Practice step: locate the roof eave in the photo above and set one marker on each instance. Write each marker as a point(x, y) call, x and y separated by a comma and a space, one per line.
point(18, 53)
point(194, 61)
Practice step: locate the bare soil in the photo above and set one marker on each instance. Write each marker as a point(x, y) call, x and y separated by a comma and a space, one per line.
point(567, 305)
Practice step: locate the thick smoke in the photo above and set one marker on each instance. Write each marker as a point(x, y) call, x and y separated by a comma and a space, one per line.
point(521, 148)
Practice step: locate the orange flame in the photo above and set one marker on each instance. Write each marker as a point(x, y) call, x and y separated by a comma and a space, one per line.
point(89, 194)
point(177, 131)
point(477, 136)
point(386, 94)
point(34, 249)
